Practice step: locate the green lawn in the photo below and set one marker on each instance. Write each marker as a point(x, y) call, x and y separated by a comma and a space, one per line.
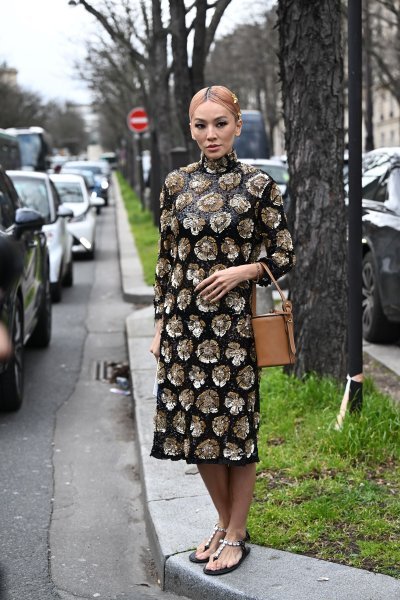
point(328, 494)
point(144, 231)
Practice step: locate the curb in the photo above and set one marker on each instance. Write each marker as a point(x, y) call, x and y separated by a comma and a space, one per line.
point(130, 265)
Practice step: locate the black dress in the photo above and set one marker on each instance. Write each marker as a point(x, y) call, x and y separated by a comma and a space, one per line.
point(214, 214)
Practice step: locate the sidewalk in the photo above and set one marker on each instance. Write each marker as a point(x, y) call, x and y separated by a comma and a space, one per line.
point(179, 512)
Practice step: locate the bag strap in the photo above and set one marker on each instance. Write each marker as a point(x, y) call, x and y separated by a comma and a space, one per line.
point(286, 304)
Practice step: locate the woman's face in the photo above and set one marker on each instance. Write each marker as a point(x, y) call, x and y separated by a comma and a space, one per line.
point(214, 128)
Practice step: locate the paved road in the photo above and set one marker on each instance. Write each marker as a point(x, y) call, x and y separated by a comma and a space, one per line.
point(71, 512)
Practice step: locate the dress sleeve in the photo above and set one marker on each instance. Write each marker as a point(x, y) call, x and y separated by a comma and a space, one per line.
point(277, 240)
point(164, 261)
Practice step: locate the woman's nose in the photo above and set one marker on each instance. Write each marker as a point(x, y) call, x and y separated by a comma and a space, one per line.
point(211, 133)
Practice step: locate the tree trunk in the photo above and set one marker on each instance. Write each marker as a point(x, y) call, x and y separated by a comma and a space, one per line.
point(311, 69)
point(182, 84)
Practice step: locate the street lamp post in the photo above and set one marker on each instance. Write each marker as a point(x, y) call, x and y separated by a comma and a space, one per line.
point(354, 387)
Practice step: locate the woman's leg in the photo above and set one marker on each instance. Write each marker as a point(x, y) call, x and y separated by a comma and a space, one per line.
point(216, 480)
point(241, 486)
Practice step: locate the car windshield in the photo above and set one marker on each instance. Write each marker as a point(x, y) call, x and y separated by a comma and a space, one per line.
point(278, 173)
point(30, 146)
point(33, 194)
point(86, 167)
point(69, 191)
point(87, 175)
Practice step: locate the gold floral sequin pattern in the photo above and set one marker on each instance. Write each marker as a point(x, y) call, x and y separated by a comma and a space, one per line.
point(215, 214)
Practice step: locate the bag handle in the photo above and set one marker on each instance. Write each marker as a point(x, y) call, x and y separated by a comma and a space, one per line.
point(286, 304)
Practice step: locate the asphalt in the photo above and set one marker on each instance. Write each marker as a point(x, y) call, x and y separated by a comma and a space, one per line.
point(178, 511)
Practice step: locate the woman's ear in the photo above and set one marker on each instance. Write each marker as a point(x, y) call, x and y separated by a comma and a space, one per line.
point(238, 130)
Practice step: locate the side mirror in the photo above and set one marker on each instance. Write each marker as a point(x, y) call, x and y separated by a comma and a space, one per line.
point(96, 201)
point(64, 212)
point(28, 218)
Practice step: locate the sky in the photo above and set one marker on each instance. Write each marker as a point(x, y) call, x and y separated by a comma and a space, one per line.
point(43, 38)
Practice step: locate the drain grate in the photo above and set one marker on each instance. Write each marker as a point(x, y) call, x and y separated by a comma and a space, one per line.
point(102, 370)
point(106, 370)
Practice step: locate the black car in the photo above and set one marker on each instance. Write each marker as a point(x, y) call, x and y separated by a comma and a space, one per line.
point(25, 301)
point(381, 245)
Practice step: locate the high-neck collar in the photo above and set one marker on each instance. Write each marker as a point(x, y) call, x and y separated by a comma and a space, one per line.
point(219, 165)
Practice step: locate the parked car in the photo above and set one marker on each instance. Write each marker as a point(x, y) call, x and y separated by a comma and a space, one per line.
point(37, 191)
point(98, 170)
point(25, 303)
point(381, 245)
point(82, 225)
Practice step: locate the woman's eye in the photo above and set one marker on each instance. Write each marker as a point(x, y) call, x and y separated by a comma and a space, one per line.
point(199, 126)
point(221, 124)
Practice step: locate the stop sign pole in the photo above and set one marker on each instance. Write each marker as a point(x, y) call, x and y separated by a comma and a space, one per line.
point(138, 122)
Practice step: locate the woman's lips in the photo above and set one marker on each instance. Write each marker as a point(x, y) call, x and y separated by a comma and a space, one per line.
point(215, 147)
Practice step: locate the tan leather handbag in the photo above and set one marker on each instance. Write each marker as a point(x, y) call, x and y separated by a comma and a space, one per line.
point(273, 332)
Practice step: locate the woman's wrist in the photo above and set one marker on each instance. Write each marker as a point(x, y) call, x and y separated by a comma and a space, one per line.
point(252, 271)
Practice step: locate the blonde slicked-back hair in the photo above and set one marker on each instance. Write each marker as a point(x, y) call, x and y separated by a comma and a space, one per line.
point(219, 94)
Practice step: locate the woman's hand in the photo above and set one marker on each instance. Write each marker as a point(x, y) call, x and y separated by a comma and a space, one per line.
point(216, 286)
point(155, 344)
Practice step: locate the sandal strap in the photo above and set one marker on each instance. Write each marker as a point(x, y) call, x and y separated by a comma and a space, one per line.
point(226, 542)
point(216, 529)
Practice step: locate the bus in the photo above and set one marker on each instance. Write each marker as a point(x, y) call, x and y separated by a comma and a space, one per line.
point(253, 141)
point(10, 156)
point(35, 147)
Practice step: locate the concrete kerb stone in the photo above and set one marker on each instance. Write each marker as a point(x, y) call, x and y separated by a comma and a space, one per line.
point(134, 290)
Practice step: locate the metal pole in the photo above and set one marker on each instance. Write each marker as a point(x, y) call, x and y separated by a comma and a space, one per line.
point(140, 159)
point(355, 360)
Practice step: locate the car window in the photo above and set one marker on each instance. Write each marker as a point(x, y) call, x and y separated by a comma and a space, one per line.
point(69, 191)
point(370, 181)
point(393, 190)
point(7, 208)
point(33, 194)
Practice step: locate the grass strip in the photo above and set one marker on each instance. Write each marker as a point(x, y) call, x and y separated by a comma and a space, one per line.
point(143, 229)
point(323, 493)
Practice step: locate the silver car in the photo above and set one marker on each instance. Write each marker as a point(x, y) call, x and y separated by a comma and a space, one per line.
point(37, 191)
point(74, 195)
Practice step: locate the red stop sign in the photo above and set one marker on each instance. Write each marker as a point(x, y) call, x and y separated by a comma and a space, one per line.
point(138, 120)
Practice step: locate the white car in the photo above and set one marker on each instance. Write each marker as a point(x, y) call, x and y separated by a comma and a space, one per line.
point(37, 191)
point(74, 195)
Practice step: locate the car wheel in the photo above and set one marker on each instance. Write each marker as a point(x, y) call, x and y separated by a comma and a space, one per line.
point(12, 380)
point(42, 333)
point(376, 327)
point(69, 275)
point(92, 252)
point(56, 291)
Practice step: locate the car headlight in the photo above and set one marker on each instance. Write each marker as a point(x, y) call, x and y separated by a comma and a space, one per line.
point(104, 184)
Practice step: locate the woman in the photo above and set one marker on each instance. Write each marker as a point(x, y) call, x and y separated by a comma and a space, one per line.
point(215, 216)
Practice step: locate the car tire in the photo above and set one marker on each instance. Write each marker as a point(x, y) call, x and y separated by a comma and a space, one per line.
point(376, 327)
point(69, 275)
point(12, 379)
point(56, 291)
point(41, 335)
point(91, 255)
